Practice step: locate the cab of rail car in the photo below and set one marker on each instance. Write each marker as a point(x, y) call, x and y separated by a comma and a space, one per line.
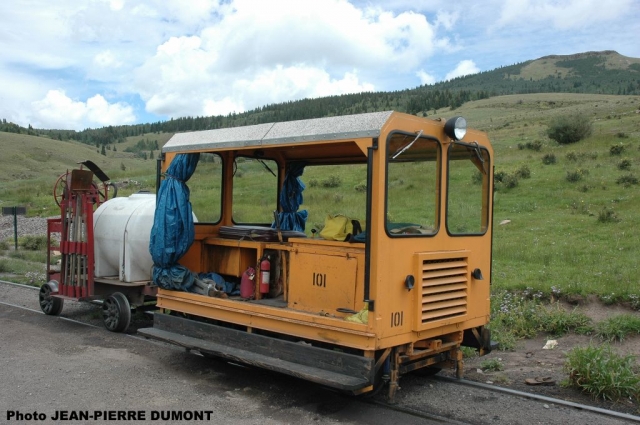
point(421, 189)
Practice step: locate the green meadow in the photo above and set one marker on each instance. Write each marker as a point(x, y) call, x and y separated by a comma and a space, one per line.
point(566, 217)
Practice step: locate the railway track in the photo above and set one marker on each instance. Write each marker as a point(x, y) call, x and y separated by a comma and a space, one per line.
point(28, 301)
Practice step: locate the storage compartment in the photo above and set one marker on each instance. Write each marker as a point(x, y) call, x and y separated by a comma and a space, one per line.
point(230, 260)
point(325, 276)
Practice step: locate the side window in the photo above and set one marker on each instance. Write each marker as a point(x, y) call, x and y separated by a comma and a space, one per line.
point(255, 190)
point(468, 190)
point(205, 188)
point(413, 185)
point(334, 189)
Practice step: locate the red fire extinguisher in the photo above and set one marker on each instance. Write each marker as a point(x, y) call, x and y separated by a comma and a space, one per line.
point(265, 274)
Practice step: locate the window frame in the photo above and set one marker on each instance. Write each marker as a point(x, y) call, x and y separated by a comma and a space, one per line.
point(438, 187)
point(486, 193)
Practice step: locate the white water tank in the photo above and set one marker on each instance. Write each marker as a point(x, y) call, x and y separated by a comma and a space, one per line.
point(122, 229)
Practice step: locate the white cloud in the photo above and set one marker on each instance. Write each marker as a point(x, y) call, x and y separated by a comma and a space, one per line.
point(562, 14)
point(220, 56)
point(59, 111)
point(106, 59)
point(425, 78)
point(447, 19)
point(465, 67)
point(256, 54)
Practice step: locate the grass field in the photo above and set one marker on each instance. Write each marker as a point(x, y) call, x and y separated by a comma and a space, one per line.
point(572, 216)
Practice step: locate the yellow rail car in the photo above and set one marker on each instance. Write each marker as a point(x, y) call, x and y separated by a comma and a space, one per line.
point(353, 314)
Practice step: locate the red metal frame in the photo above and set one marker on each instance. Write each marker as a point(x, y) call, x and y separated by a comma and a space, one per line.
point(76, 275)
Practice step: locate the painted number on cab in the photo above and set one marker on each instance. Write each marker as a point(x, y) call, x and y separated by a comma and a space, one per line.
point(397, 319)
point(320, 280)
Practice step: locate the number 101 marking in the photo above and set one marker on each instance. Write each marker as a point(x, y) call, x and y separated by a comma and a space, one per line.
point(320, 279)
point(397, 318)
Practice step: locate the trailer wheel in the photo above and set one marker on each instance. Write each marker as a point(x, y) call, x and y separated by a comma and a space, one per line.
point(50, 305)
point(116, 312)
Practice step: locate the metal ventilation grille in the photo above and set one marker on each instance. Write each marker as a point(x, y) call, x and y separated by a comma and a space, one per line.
point(444, 289)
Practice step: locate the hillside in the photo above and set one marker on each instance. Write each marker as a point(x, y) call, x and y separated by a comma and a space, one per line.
point(605, 72)
point(569, 213)
point(27, 157)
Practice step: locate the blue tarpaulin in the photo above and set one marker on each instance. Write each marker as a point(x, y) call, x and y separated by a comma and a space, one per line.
point(173, 231)
point(291, 199)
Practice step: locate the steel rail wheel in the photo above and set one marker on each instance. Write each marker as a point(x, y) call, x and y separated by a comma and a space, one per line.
point(116, 312)
point(102, 189)
point(50, 306)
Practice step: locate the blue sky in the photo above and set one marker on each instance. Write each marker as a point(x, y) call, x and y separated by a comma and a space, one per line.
point(72, 64)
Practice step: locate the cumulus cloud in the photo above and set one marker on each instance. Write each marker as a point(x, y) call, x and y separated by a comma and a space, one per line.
point(447, 19)
point(256, 55)
point(465, 67)
point(425, 78)
point(564, 14)
point(221, 56)
point(57, 110)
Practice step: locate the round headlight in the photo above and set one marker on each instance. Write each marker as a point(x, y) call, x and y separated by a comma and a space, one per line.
point(456, 128)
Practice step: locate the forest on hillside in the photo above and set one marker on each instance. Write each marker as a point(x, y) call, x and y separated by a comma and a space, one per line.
point(585, 73)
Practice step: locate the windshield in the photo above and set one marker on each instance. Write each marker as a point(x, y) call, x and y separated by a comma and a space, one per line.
point(413, 166)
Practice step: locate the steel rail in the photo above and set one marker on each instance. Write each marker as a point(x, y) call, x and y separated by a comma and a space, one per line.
point(413, 412)
point(538, 397)
point(20, 285)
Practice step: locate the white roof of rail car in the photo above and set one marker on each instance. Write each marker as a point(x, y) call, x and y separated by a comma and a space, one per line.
point(330, 128)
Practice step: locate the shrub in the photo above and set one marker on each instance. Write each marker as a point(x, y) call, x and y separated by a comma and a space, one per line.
point(616, 150)
point(360, 187)
point(332, 181)
point(557, 321)
point(607, 215)
point(549, 159)
point(4, 245)
point(622, 135)
point(571, 156)
point(492, 365)
point(602, 373)
point(625, 164)
point(33, 243)
point(576, 176)
point(534, 146)
point(569, 129)
point(468, 352)
point(510, 181)
point(4, 266)
point(582, 156)
point(523, 172)
point(617, 328)
point(627, 180)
